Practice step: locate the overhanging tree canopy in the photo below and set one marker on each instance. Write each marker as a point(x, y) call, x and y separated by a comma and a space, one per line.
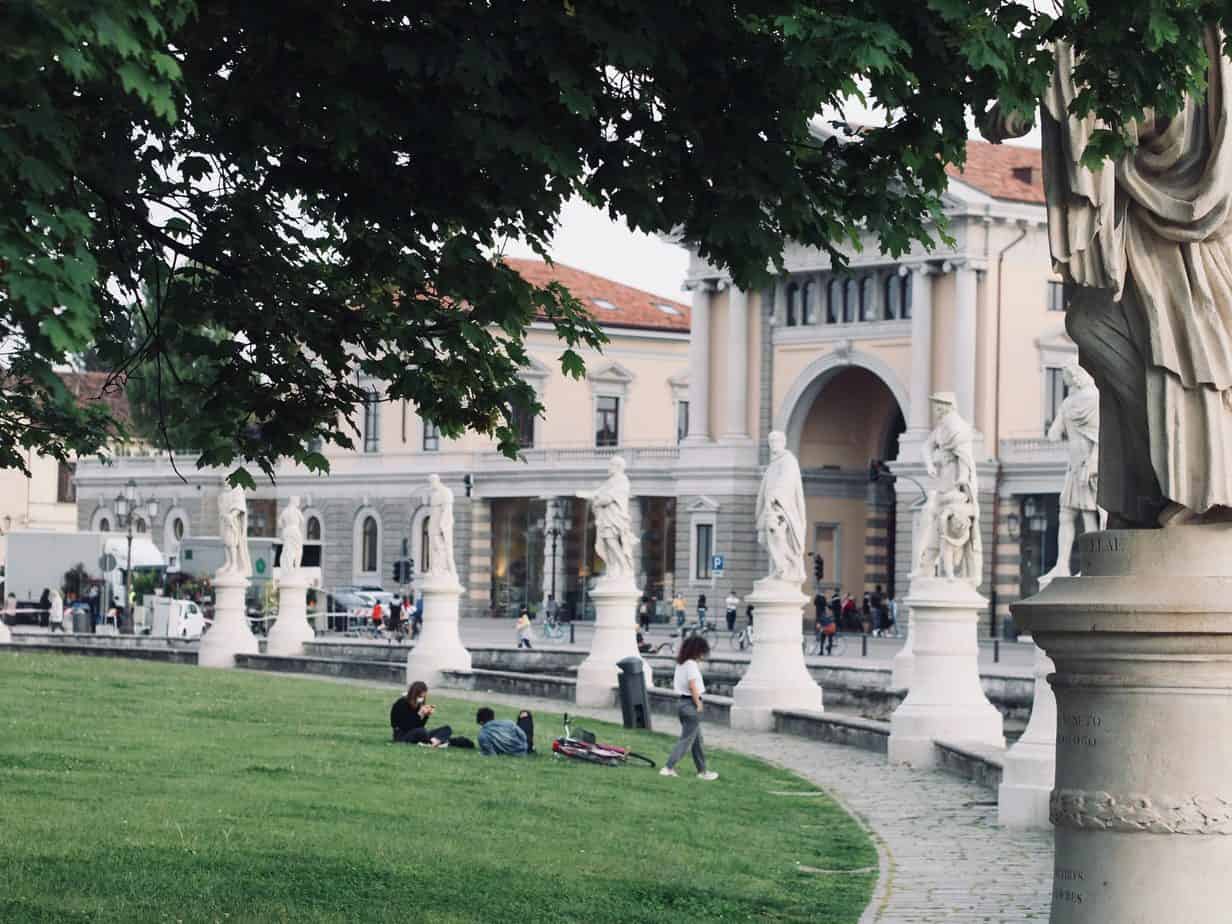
point(261, 205)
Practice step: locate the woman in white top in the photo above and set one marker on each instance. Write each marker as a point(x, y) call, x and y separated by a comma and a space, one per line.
point(689, 685)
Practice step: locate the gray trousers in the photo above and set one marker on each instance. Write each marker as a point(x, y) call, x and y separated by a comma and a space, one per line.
point(690, 737)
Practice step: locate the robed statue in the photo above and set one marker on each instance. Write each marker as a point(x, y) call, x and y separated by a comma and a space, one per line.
point(614, 539)
point(291, 529)
point(1144, 246)
point(233, 528)
point(781, 513)
point(440, 529)
point(949, 541)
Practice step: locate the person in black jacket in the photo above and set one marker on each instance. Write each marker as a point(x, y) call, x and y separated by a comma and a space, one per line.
point(409, 719)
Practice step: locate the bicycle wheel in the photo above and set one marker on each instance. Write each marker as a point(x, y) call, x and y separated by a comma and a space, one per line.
point(639, 759)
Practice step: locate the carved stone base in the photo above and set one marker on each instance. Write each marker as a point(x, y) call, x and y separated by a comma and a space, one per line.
point(1142, 643)
point(291, 630)
point(902, 669)
point(776, 677)
point(5, 635)
point(946, 699)
point(439, 647)
point(1030, 765)
point(230, 634)
point(615, 638)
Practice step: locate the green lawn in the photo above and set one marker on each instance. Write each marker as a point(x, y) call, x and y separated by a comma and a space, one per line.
point(132, 791)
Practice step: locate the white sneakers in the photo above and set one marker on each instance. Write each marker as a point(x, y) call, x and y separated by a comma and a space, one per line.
point(708, 776)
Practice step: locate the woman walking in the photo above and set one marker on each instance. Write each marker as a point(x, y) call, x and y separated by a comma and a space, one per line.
point(689, 687)
point(701, 610)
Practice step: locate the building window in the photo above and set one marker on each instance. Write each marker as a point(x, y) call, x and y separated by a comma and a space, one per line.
point(866, 298)
point(806, 302)
point(312, 532)
point(312, 542)
point(104, 525)
point(177, 529)
point(139, 525)
point(425, 546)
point(607, 421)
point(1056, 296)
point(682, 420)
point(263, 517)
point(431, 437)
point(851, 298)
point(66, 491)
point(893, 297)
point(1054, 393)
point(834, 300)
point(369, 535)
point(793, 295)
point(704, 549)
point(524, 427)
point(905, 313)
point(372, 421)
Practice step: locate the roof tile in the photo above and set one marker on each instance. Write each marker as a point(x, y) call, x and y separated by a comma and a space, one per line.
point(1002, 171)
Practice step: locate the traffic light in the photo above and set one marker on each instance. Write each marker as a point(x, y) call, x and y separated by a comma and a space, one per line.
point(398, 571)
point(819, 567)
point(404, 571)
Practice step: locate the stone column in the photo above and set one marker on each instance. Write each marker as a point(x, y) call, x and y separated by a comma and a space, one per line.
point(230, 633)
point(1142, 804)
point(615, 637)
point(290, 630)
point(965, 341)
point(921, 345)
point(737, 371)
point(699, 364)
point(1031, 764)
point(439, 647)
point(946, 699)
point(902, 670)
point(779, 318)
point(776, 677)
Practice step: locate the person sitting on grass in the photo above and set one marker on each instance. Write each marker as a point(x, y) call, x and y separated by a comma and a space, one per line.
point(500, 736)
point(409, 719)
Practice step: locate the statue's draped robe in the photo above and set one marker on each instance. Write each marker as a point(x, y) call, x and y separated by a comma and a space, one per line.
point(614, 525)
point(952, 440)
point(782, 494)
point(1144, 246)
point(1079, 421)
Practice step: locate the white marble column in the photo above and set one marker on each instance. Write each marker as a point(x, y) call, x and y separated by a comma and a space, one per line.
point(291, 630)
point(230, 634)
point(699, 364)
point(965, 329)
point(1030, 766)
point(737, 371)
point(921, 344)
point(439, 648)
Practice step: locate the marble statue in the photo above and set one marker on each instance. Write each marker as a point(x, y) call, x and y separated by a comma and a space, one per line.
point(1078, 425)
point(233, 528)
point(950, 521)
point(781, 514)
point(440, 529)
point(1144, 247)
point(614, 539)
point(291, 528)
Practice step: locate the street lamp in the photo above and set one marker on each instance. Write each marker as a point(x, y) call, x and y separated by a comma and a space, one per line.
point(127, 506)
point(554, 529)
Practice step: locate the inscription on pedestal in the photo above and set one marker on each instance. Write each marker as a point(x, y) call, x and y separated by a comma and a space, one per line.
point(1079, 728)
point(1099, 542)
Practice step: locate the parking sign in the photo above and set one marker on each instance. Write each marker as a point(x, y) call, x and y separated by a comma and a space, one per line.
point(716, 565)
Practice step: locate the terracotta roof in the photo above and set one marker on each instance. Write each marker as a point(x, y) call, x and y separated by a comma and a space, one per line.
point(1002, 171)
point(89, 387)
point(610, 303)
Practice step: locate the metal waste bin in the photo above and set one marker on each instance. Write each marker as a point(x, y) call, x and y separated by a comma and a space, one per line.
point(83, 620)
point(634, 703)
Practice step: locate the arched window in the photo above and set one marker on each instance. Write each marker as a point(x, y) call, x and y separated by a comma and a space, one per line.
point(834, 300)
point(312, 531)
point(905, 313)
point(807, 301)
point(866, 298)
point(893, 297)
point(425, 547)
point(851, 299)
point(369, 535)
point(139, 526)
point(104, 525)
point(793, 297)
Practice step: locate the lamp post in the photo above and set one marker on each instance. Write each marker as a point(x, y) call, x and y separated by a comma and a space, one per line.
point(554, 531)
point(127, 505)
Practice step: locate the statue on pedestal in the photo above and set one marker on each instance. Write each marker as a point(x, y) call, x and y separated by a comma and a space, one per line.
point(614, 539)
point(440, 529)
point(950, 544)
point(291, 528)
point(1078, 425)
point(1144, 247)
point(233, 528)
point(781, 513)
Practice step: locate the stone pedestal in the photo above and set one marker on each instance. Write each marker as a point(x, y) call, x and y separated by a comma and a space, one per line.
point(439, 647)
point(776, 677)
point(5, 635)
point(946, 699)
point(230, 633)
point(615, 638)
point(1031, 764)
point(1142, 805)
point(902, 669)
point(291, 628)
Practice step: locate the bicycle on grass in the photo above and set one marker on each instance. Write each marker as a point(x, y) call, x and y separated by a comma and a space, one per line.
point(585, 748)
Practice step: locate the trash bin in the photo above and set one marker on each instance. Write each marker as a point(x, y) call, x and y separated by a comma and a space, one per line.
point(634, 703)
point(83, 621)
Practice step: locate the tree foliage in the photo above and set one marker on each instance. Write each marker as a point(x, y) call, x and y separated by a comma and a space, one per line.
point(260, 207)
